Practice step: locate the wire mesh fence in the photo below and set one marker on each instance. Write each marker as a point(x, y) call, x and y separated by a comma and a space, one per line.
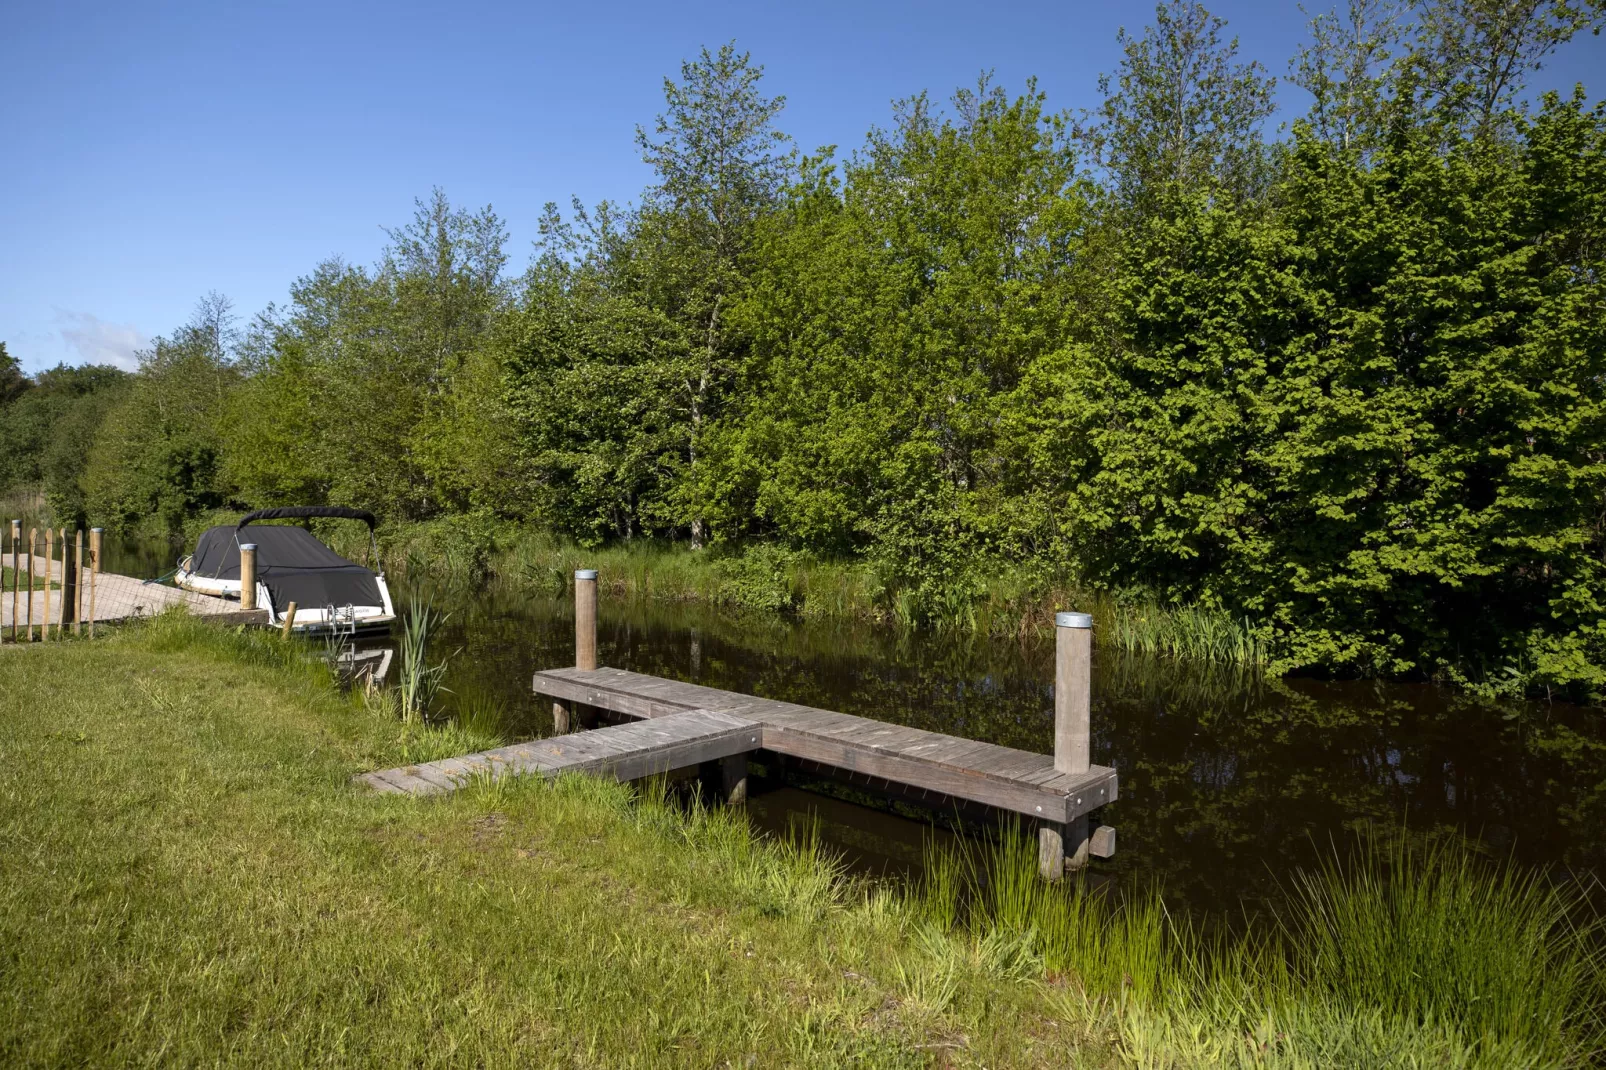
point(52, 586)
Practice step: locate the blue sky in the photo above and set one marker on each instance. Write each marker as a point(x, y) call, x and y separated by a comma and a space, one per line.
point(153, 152)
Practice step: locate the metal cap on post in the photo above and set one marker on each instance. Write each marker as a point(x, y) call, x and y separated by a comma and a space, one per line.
point(1073, 692)
point(585, 618)
point(248, 575)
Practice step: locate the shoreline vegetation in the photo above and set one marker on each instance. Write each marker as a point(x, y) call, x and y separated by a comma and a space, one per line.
point(197, 876)
point(767, 578)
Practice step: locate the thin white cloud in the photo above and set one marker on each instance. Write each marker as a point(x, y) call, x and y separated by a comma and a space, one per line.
point(98, 342)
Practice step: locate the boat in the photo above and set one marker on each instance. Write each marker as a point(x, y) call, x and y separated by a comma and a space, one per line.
point(332, 595)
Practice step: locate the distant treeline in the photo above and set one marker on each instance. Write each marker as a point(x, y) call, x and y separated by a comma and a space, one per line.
point(1342, 377)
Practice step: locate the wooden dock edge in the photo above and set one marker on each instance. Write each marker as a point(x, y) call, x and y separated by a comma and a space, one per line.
point(1099, 786)
point(625, 752)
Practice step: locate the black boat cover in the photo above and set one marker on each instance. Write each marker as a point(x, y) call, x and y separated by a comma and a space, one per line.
point(298, 512)
point(295, 566)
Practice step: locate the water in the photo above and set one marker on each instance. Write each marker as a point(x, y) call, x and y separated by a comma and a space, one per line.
point(1228, 781)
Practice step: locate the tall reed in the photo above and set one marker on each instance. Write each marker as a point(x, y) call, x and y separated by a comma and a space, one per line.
point(1435, 933)
point(1492, 961)
point(419, 682)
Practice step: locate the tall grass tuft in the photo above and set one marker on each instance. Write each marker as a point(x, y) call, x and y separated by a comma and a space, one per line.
point(1435, 933)
point(419, 682)
point(1493, 966)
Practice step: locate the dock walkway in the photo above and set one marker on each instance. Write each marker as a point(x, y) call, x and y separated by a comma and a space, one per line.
point(676, 725)
point(625, 752)
point(927, 762)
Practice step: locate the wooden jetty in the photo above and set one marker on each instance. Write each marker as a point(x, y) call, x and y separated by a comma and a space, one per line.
point(74, 593)
point(670, 725)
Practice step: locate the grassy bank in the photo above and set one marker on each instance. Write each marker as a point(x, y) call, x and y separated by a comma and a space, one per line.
point(187, 876)
point(769, 578)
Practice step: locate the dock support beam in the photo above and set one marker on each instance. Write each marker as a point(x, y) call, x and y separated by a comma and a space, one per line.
point(1061, 847)
point(248, 575)
point(725, 780)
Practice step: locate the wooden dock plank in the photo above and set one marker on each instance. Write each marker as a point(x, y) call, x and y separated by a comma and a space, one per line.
point(626, 752)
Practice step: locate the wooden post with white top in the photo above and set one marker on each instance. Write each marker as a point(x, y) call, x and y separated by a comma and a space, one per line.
point(565, 715)
point(248, 575)
point(1061, 846)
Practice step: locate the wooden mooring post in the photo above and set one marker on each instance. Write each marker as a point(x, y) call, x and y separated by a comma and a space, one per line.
point(248, 575)
point(567, 715)
point(1066, 846)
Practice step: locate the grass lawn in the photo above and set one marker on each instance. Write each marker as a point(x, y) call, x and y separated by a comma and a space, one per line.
point(187, 876)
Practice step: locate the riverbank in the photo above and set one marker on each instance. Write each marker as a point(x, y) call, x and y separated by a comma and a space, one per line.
point(769, 578)
point(189, 872)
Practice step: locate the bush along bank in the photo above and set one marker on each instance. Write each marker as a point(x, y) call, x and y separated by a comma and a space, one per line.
point(768, 578)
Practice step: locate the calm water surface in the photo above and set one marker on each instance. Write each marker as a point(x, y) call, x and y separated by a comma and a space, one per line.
point(1228, 780)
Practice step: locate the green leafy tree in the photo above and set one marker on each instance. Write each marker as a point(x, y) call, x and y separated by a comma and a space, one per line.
point(157, 458)
point(12, 381)
point(1183, 112)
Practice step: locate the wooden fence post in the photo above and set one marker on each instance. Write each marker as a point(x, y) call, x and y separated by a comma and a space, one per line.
point(16, 574)
point(289, 620)
point(248, 575)
point(96, 538)
point(50, 550)
point(33, 541)
point(1065, 846)
point(77, 598)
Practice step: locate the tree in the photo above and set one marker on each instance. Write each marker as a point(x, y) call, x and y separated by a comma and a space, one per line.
point(157, 459)
point(720, 165)
point(1477, 53)
point(1185, 114)
point(12, 381)
point(1345, 67)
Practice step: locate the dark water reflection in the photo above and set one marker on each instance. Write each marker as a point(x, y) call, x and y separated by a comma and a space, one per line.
point(1228, 780)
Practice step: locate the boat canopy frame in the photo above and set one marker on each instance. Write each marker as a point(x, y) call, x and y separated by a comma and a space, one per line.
point(335, 512)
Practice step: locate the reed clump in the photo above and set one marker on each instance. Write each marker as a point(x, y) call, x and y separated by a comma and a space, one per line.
point(1431, 949)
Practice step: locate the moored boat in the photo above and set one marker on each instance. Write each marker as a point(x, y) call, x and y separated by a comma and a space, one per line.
point(331, 593)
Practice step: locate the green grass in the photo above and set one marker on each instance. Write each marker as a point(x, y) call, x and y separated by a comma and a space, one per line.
point(1402, 954)
point(767, 578)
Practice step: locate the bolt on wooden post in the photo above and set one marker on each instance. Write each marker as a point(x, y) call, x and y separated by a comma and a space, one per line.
point(1062, 846)
point(248, 575)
